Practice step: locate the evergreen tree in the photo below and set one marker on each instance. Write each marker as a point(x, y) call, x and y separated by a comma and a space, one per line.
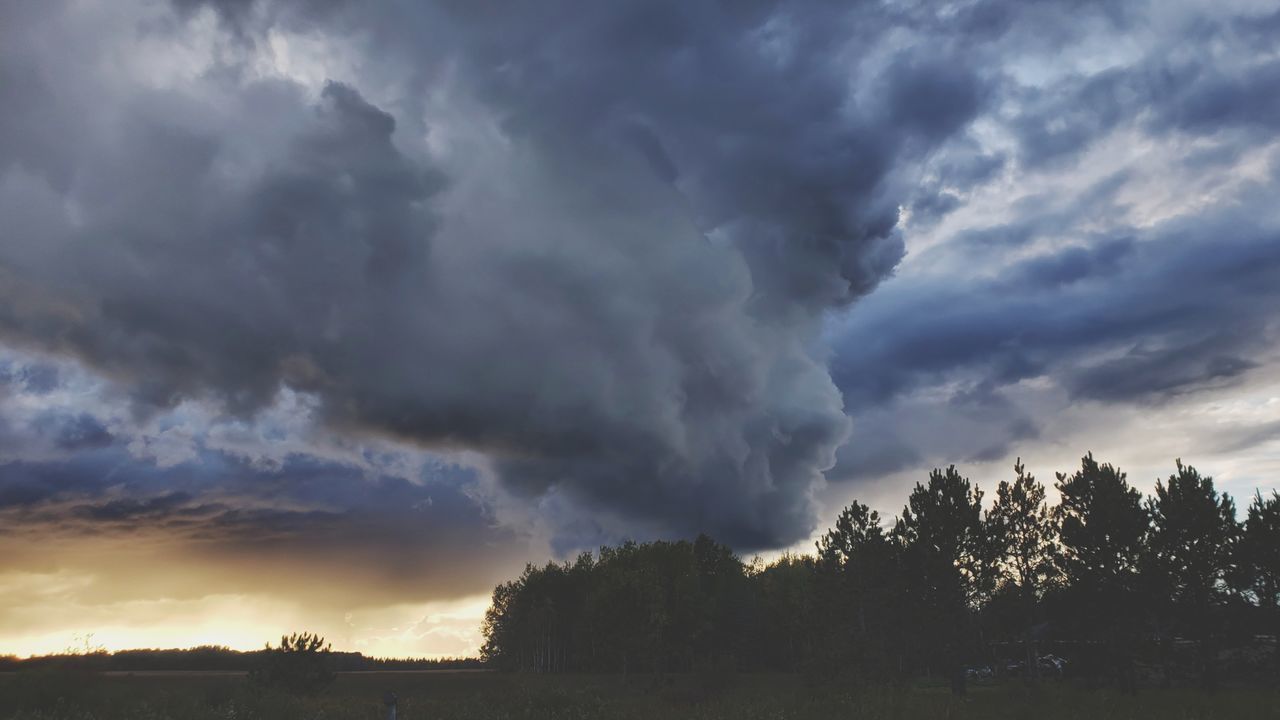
point(1193, 535)
point(1102, 526)
point(791, 630)
point(874, 602)
point(1026, 544)
point(949, 556)
point(1259, 559)
point(302, 664)
point(856, 564)
point(652, 607)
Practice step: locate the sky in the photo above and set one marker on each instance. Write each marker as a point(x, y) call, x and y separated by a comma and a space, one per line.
point(331, 315)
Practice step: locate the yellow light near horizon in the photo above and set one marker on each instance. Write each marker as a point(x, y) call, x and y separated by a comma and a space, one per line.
point(40, 617)
point(238, 622)
point(433, 630)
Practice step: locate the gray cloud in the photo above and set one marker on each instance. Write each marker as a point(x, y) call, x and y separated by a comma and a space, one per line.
point(879, 451)
point(1068, 313)
point(1241, 438)
point(286, 531)
point(1063, 291)
point(749, 109)
point(1181, 84)
point(1069, 289)
point(600, 245)
point(616, 299)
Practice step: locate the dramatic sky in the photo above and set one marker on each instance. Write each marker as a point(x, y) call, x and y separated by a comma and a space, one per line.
point(330, 315)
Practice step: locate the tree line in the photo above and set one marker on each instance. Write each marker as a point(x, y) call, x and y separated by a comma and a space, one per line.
point(1173, 583)
point(213, 658)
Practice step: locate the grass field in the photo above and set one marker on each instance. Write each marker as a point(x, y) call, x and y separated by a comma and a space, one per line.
point(484, 696)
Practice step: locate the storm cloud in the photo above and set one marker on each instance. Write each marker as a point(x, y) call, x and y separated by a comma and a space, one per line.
point(145, 508)
point(612, 291)
point(1123, 256)
point(406, 292)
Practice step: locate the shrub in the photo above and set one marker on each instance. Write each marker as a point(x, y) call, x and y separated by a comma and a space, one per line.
point(301, 665)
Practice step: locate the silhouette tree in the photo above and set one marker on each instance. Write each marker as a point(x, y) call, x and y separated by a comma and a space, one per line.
point(1102, 526)
point(1025, 541)
point(653, 607)
point(1193, 536)
point(1259, 560)
point(790, 627)
point(301, 665)
point(856, 564)
point(497, 627)
point(918, 598)
point(857, 569)
point(723, 608)
point(949, 557)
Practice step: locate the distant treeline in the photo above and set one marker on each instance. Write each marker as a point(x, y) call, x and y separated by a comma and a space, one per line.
point(1172, 587)
point(214, 658)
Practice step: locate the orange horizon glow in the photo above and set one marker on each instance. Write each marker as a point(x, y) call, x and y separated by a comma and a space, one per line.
point(435, 630)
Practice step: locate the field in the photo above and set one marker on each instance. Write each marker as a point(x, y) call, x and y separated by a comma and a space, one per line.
point(485, 696)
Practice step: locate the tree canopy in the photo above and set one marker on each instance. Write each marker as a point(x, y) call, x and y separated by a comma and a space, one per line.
point(1103, 576)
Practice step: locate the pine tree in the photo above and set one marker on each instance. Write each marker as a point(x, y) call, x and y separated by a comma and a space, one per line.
point(301, 664)
point(856, 563)
point(1259, 559)
point(1192, 546)
point(947, 549)
point(1026, 543)
point(1102, 526)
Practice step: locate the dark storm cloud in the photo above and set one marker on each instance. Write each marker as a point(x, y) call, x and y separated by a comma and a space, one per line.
point(1056, 126)
point(1114, 315)
point(976, 422)
point(984, 400)
point(26, 484)
point(879, 451)
point(36, 378)
point(78, 432)
point(1043, 217)
point(1165, 311)
point(952, 174)
point(39, 378)
point(616, 298)
point(137, 513)
point(288, 530)
point(1183, 84)
point(1145, 372)
point(1072, 264)
point(1064, 288)
point(748, 108)
point(597, 243)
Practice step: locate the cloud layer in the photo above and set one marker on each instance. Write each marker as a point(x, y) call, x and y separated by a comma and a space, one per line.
point(407, 293)
point(614, 293)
